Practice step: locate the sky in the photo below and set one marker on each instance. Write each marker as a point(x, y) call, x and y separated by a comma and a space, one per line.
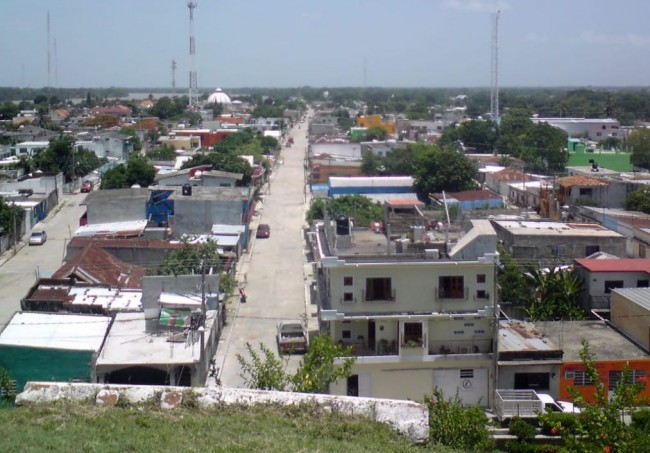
point(291, 43)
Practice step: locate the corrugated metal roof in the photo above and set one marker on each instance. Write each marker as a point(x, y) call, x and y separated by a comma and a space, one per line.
point(638, 296)
point(119, 229)
point(371, 181)
point(55, 331)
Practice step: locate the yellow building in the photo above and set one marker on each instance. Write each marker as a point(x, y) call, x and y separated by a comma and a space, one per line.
point(376, 121)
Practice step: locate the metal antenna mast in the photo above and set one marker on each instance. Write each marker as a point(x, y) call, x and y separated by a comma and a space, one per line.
point(194, 95)
point(494, 67)
point(49, 54)
point(56, 63)
point(174, 75)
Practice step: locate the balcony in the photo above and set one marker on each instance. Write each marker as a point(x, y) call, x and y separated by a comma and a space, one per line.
point(385, 297)
point(462, 347)
point(448, 293)
point(383, 347)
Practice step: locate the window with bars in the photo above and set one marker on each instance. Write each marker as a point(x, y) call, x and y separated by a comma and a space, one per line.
point(631, 376)
point(579, 378)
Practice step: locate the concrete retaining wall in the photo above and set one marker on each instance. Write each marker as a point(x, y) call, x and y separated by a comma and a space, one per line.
point(408, 418)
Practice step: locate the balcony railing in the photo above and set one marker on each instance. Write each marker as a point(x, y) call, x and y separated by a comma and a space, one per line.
point(443, 293)
point(381, 348)
point(391, 297)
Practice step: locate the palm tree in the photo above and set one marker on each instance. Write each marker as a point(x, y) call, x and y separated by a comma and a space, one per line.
point(557, 294)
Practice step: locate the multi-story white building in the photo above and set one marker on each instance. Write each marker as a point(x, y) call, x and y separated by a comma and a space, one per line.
point(414, 321)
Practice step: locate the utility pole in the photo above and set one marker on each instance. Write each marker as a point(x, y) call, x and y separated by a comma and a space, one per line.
point(13, 210)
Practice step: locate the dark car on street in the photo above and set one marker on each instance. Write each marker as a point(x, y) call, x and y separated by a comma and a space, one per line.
point(86, 186)
point(263, 231)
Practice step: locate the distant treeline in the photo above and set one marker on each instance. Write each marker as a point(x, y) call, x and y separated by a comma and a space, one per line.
point(29, 94)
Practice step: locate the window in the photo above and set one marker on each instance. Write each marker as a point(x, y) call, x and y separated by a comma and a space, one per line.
point(480, 278)
point(591, 249)
point(579, 378)
point(611, 284)
point(348, 297)
point(466, 374)
point(642, 283)
point(631, 376)
point(451, 287)
point(533, 381)
point(585, 192)
point(348, 281)
point(468, 324)
point(459, 332)
point(346, 334)
point(559, 250)
point(413, 332)
point(479, 331)
point(481, 294)
point(378, 289)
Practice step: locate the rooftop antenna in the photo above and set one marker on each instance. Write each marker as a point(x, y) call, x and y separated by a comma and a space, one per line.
point(194, 95)
point(49, 54)
point(365, 73)
point(494, 67)
point(56, 64)
point(173, 75)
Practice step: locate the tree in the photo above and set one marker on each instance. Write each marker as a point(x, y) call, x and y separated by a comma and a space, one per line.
point(8, 111)
point(192, 258)
point(376, 133)
point(639, 141)
point(478, 134)
point(228, 161)
point(165, 152)
point(545, 149)
point(358, 207)
point(139, 171)
point(557, 294)
point(456, 426)
point(443, 169)
point(10, 215)
point(639, 200)
point(136, 171)
point(516, 288)
point(600, 425)
point(315, 372)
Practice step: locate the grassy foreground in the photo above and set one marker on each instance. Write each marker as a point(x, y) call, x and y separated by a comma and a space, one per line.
point(70, 427)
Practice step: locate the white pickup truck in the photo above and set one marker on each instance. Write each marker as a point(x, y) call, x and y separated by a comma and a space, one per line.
point(292, 337)
point(527, 404)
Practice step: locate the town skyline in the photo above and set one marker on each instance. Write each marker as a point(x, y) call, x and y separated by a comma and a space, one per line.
point(443, 43)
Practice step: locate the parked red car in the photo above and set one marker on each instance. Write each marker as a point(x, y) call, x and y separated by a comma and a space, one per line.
point(86, 186)
point(263, 231)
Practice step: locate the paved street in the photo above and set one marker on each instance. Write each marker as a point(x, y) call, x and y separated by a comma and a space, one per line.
point(274, 270)
point(18, 273)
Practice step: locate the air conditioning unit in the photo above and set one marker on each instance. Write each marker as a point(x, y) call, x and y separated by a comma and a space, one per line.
point(463, 350)
point(432, 254)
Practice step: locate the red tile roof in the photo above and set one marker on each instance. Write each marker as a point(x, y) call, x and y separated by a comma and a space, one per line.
point(511, 174)
point(124, 243)
point(616, 265)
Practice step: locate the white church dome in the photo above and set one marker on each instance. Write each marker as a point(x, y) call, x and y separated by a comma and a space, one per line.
point(219, 97)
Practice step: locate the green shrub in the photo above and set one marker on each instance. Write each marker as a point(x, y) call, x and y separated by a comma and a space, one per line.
point(522, 429)
point(453, 425)
point(641, 419)
point(556, 423)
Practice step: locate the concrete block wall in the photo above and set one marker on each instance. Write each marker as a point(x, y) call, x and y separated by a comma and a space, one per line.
point(408, 418)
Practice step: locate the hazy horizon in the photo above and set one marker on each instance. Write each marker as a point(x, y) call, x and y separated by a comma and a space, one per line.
point(333, 44)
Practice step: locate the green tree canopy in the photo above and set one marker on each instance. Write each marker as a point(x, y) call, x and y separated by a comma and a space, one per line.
point(443, 169)
point(164, 153)
point(8, 111)
point(60, 156)
point(223, 161)
point(136, 171)
point(639, 200)
point(9, 213)
point(639, 141)
point(376, 133)
point(358, 207)
point(192, 258)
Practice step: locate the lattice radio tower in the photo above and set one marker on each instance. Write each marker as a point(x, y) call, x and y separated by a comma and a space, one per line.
point(494, 69)
point(174, 76)
point(49, 52)
point(194, 92)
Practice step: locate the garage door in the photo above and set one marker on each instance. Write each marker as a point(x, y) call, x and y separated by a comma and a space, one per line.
point(471, 384)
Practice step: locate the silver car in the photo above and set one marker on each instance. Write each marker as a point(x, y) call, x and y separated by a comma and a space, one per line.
point(37, 238)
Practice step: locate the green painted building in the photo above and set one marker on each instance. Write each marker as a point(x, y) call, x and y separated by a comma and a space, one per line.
point(580, 155)
point(38, 346)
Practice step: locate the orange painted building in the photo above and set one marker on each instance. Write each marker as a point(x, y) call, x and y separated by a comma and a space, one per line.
point(375, 121)
point(572, 374)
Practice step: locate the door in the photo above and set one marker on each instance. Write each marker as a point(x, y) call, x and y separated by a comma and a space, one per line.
point(353, 385)
point(371, 335)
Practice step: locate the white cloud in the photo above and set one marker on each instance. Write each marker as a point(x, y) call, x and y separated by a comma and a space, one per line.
point(476, 6)
point(623, 39)
point(536, 37)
